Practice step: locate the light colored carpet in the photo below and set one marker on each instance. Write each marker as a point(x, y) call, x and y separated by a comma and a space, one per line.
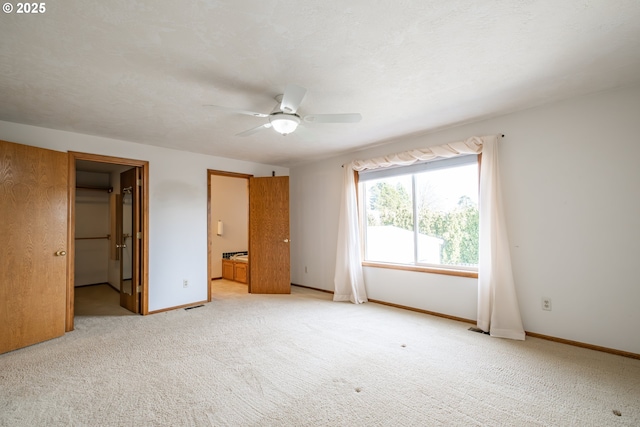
point(98, 300)
point(302, 360)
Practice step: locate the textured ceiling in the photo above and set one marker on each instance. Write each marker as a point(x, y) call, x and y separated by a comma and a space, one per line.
point(142, 70)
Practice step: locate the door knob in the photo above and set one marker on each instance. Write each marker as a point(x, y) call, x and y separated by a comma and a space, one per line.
point(61, 253)
point(287, 240)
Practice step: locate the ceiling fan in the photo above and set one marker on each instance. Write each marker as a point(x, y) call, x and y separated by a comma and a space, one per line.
point(284, 117)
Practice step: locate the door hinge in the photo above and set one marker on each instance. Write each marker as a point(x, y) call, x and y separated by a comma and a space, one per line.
point(139, 235)
point(139, 289)
point(139, 182)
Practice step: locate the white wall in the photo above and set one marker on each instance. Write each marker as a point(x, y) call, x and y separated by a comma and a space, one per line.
point(571, 183)
point(177, 204)
point(230, 204)
point(92, 220)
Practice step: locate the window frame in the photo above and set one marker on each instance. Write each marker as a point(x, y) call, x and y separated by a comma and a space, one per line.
point(470, 272)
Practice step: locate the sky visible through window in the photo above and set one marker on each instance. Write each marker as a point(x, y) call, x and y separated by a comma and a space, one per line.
point(443, 188)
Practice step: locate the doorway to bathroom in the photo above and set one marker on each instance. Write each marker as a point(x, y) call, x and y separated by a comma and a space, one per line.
point(248, 231)
point(228, 229)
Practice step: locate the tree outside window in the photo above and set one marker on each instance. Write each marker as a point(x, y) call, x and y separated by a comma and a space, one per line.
point(429, 217)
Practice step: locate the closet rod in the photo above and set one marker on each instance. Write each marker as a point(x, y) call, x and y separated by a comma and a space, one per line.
point(107, 189)
point(108, 236)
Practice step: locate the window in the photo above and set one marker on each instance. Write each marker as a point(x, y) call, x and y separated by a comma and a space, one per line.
point(422, 215)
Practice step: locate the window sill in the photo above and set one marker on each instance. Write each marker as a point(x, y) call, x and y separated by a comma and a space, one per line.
point(445, 271)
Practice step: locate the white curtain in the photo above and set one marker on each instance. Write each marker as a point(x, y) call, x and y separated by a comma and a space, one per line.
point(498, 311)
point(348, 279)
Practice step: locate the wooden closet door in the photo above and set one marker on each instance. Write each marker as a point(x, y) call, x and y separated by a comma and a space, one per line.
point(33, 233)
point(130, 253)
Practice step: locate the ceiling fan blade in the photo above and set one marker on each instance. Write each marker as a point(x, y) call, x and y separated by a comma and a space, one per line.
point(254, 130)
point(292, 98)
point(333, 118)
point(236, 110)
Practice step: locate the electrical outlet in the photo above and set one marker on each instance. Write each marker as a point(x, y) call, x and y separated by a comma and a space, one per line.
point(185, 283)
point(546, 304)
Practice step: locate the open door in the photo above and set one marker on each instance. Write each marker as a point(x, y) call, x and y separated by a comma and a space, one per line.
point(269, 252)
point(138, 242)
point(128, 243)
point(33, 232)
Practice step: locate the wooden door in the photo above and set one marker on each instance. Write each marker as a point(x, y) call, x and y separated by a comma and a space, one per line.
point(269, 253)
point(33, 232)
point(128, 238)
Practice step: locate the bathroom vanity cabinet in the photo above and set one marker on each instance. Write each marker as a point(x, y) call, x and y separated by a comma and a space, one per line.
point(234, 270)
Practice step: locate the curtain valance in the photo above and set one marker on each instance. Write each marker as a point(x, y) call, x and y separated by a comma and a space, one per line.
point(472, 145)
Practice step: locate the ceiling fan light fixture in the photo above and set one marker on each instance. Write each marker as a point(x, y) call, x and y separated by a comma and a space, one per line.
point(283, 123)
point(284, 117)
